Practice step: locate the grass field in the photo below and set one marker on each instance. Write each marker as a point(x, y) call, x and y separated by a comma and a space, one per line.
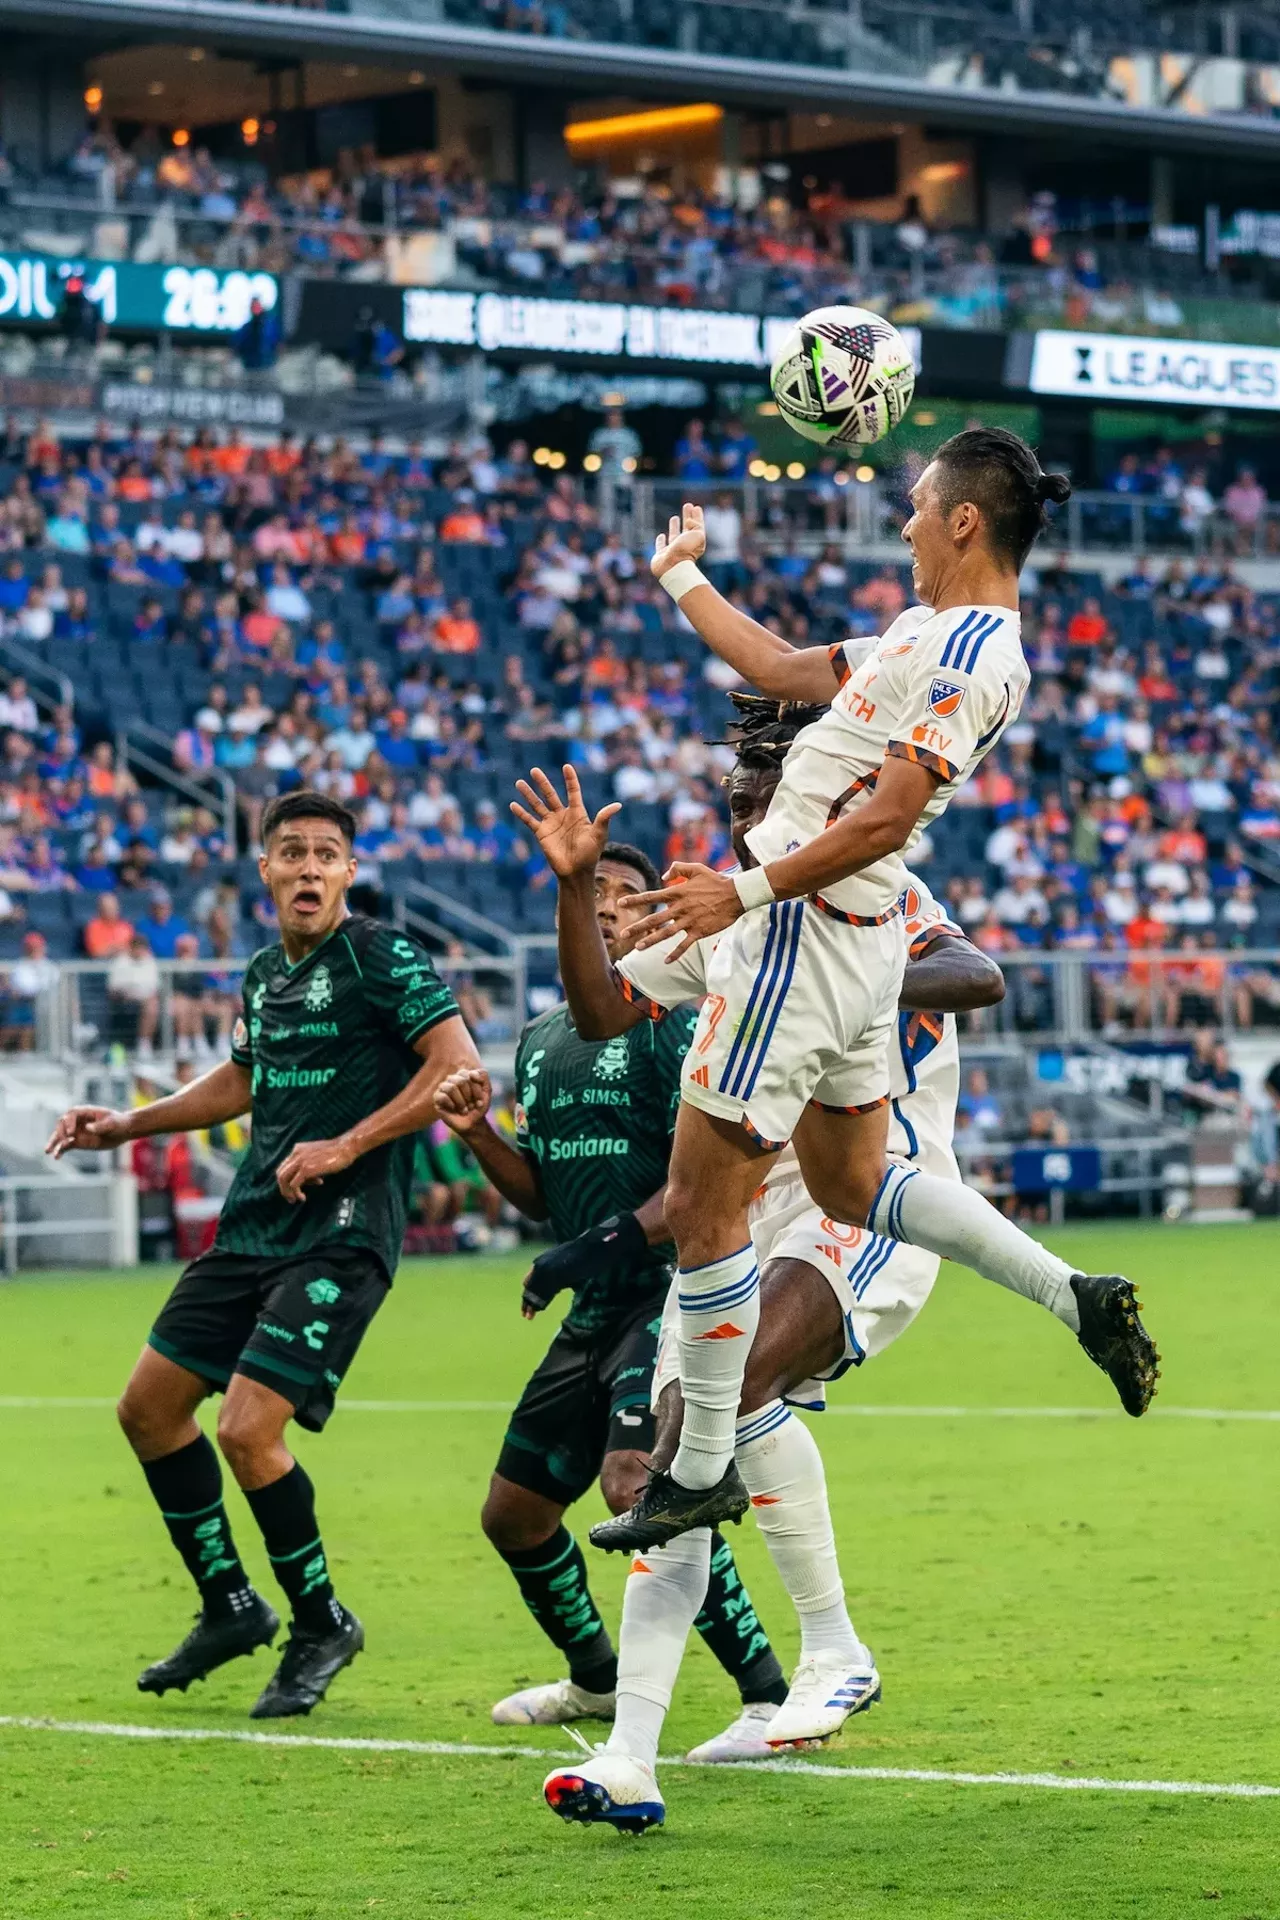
point(1060, 1592)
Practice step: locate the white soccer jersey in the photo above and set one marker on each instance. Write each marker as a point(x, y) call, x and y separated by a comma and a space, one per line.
point(937, 688)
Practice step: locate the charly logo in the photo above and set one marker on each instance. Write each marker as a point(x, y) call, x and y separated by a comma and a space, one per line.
point(257, 997)
point(532, 1068)
point(612, 1060)
point(319, 990)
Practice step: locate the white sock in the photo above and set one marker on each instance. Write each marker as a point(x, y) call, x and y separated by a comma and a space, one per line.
point(719, 1314)
point(952, 1220)
point(663, 1597)
point(779, 1460)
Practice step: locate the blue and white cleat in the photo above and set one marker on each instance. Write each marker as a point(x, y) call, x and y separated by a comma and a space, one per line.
point(824, 1693)
point(606, 1789)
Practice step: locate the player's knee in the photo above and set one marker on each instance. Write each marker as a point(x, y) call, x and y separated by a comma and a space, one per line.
point(846, 1195)
point(512, 1525)
point(244, 1439)
point(140, 1422)
point(622, 1480)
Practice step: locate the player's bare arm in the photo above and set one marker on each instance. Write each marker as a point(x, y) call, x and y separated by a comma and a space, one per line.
point(463, 1104)
point(951, 975)
point(220, 1095)
point(768, 662)
point(573, 843)
point(443, 1049)
point(698, 902)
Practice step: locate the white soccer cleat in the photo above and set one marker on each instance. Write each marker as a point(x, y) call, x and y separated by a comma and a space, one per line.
point(742, 1740)
point(552, 1705)
point(607, 1789)
point(824, 1693)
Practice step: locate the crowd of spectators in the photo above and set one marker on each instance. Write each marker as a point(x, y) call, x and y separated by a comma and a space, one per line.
point(409, 631)
point(778, 245)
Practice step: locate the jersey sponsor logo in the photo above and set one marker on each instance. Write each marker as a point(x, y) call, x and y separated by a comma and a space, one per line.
point(300, 1076)
point(725, 1331)
point(239, 1035)
point(414, 976)
point(613, 1059)
point(931, 737)
point(319, 990)
point(309, 1030)
point(604, 1097)
point(276, 1333)
point(599, 1146)
point(858, 705)
point(322, 1292)
point(945, 698)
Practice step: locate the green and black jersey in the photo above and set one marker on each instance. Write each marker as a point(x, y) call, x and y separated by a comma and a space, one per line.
point(597, 1116)
point(329, 1041)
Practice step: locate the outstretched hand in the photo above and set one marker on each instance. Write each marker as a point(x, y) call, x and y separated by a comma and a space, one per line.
point(87, 1127)
point(696, 901)
point(571, 840)
point(685, 539)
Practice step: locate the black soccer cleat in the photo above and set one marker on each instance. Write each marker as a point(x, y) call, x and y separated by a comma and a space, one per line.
point(666, 1509)
point(212, 1641)
point(1113, 1336)
point(311, 1662)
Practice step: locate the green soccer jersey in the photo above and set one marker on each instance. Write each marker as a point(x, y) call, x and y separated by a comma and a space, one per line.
point(329, 1041)
point(597, 1116)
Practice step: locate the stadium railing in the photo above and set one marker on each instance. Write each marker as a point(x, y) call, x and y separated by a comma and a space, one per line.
point(1052, 999)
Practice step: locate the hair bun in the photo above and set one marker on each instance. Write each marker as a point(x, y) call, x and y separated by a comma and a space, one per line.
point(1055, 487)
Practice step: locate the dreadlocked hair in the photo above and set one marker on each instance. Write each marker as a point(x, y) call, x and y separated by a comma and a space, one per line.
point(763, 729)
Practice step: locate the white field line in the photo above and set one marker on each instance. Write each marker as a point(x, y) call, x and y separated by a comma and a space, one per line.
point(458, 1749)
point(10, 1402)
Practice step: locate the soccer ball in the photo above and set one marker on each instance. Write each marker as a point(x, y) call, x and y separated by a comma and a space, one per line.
point(843, 377)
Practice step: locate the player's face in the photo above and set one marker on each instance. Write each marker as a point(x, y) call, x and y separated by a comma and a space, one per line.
point(927, 535)
point(616, 886)
point(750, 791)
point(307, 868)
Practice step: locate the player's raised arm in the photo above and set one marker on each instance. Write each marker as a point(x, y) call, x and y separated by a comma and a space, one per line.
point(769, 663)
point(220, 1095)
point(573, 843)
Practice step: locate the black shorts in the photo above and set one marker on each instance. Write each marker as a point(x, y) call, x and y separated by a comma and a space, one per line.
point(589, 1397)
point(292, 1323)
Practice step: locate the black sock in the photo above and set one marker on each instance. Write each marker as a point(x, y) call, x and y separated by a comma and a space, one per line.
point(188, 1491)
point(286, 1513)
point(552, 1580)
point(730, 1628)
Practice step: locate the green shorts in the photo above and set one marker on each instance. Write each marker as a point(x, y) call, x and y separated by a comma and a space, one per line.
point(293, 1324)
point(588, 1397)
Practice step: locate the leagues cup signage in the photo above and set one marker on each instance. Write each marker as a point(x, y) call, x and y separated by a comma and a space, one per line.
point(1179, 373)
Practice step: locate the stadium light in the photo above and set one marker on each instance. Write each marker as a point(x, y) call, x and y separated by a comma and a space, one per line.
point(756, 469)
point(629, 464)
point(181, 137)
point(592, 463)
point(555, 461)
point(541, 455)
point(627, 126)
point(249, 131)
point(773, 473)
point(416, 79)
point(864, 474)
point(795, 470)
point(93, 98)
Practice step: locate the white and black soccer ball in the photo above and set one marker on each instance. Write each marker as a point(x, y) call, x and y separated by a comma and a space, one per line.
point(843, 377)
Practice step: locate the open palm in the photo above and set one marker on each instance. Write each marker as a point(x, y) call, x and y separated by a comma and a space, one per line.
point(685, 539)
point(571, 840)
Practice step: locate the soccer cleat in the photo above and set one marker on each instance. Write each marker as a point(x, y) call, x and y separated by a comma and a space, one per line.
point(552, 1706)
point(311, 1662)
point(666, 1509)
point(607, 1789)
point(212, 1641)
point(824, 1693)
point(743, 1739)
point(1113, 1336)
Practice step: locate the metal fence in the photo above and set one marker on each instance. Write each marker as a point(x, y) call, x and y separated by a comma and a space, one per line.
point(1051, 999)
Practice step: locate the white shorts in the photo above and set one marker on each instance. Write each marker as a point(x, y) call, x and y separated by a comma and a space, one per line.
point(880, 1285)
point(799, 1008)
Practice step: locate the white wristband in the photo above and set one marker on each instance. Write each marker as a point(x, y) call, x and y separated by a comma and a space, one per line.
point(682, 579)
point(753, 888)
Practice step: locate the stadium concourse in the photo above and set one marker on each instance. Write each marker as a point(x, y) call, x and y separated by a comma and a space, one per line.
point(410, 633)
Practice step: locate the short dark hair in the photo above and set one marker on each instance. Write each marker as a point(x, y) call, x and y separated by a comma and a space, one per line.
point(762, 730)
point(304, 804)
point(1001, 475)
point(639, 862)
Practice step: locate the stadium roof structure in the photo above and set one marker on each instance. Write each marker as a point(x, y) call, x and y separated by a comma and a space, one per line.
point(284, 30)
